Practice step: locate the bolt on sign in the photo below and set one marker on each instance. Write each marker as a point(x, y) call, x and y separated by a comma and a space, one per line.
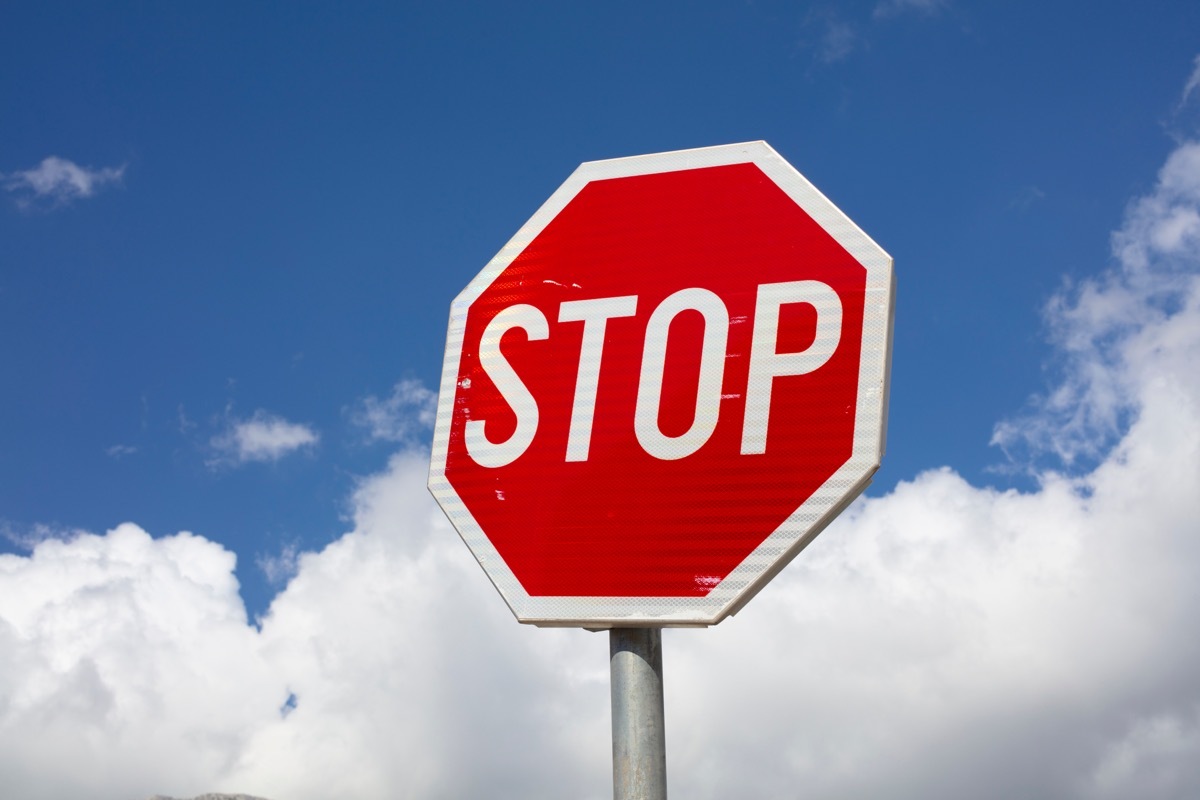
point(668, 382)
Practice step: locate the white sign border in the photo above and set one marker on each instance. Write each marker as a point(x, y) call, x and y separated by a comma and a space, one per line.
point(803, 525)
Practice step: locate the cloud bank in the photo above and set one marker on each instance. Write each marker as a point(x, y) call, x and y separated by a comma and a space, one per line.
point(943, 641)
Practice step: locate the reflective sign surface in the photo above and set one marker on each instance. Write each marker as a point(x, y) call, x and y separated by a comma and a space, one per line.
point(653, 395)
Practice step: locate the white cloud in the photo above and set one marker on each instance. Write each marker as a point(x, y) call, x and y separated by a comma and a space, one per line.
point(410, 676)
point(408, 410)
point(942, 641)
point(131, 659)
point(126, 665)
point(262, 437)
point(59, 181)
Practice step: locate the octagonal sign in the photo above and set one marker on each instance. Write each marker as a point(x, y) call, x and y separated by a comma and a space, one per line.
point(662, 388)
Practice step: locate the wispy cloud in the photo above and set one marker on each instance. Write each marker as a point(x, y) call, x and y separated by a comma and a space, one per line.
point(186, 423)
point(59, 181)
point(834, 36)
point(830, 36)
point(1027, 196)
point(838, 41)
point(280, 568)
point(892, 8)
point(1105, 326)
point(1192, 84)
point(409, 410)
point(119, 451)
point(28, 537)
point(264, 437)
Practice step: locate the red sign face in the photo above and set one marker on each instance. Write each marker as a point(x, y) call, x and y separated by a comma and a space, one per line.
point(653, 396)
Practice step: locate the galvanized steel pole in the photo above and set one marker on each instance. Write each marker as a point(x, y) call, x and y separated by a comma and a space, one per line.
point(638, 727)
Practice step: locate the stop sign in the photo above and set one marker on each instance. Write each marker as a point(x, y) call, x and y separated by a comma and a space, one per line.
point(662, 388)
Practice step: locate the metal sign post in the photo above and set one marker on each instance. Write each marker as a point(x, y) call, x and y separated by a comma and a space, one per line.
point(638, 726)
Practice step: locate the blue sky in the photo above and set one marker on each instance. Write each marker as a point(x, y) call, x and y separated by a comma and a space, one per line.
point(303, 190)
point(230, 234)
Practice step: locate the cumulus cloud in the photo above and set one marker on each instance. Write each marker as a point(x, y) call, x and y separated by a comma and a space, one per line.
point(126, 664)
point(943, 641)
point(408, 411)
point(58, 181)
point(411, 678)
point(948, 640)
point(262, 437)
point(385, 668)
